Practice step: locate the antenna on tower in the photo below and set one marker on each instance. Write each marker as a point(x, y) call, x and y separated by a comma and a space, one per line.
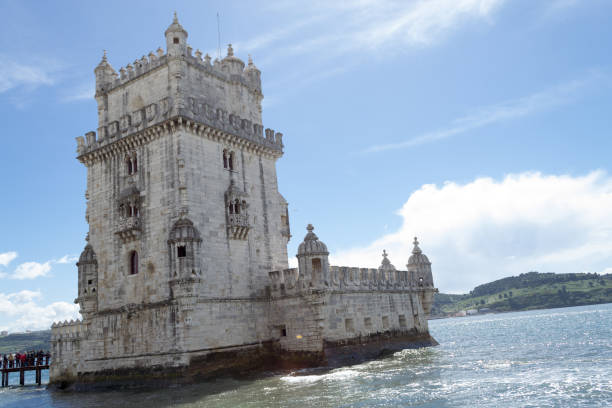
point(218, 36)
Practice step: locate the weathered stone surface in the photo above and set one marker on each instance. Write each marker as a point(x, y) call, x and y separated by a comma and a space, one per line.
point(185, 274)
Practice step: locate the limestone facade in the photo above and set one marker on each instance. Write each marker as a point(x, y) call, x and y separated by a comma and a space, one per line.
point(187, 245)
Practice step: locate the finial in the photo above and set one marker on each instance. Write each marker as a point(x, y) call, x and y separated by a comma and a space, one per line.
point(250, 60)
point(175, 19)
point(310, 228)
point(416, 249)
point(230, 50)
point(104, 55)
point(385, 254)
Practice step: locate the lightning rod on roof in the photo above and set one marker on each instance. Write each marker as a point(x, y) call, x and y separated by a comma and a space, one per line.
point(218, 36)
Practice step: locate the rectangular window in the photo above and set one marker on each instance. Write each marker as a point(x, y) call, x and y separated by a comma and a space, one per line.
point(367, 322)
point(350, 327)
point(182, 251)
point(283, 331)
point(316, 265)
point(385, 322)
point(89, 282)
point(402, 321)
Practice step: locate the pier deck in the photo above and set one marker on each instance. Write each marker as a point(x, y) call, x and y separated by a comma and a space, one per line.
point(21, 371)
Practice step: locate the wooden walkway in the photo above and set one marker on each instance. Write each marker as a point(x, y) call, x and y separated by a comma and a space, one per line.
point(21, 371)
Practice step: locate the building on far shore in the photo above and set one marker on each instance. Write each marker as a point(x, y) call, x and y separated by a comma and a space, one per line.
point(185, 273)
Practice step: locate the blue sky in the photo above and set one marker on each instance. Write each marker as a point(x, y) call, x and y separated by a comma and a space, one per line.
point(481, 126)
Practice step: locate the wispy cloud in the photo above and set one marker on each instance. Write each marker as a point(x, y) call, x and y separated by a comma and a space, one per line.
point(321, 38)
point(372, 26)
point(66, 259)
point(85, 91)
point(7, 257)
point(501, 112)
point(15, 74)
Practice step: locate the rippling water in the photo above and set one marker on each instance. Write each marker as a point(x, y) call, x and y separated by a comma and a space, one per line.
point(543, 358)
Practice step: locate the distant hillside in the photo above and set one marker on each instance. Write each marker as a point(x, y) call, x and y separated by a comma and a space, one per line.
point(528, 291)
point(13, 343)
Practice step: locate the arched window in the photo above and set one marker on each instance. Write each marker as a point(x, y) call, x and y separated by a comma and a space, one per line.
point(130, 168)
point(225, 159)
point(133, 263)
point(237, 207)
point(135, 164)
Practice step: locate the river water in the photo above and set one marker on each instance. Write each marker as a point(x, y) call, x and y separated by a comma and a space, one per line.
point(542, 358)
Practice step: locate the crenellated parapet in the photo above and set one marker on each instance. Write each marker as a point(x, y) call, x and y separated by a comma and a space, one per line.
point(197, 113)
point(314, 274)
point(249, 77)
point(68, 330)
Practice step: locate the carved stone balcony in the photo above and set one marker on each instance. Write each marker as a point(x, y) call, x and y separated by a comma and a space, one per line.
point(128, 228)
point(238, 226)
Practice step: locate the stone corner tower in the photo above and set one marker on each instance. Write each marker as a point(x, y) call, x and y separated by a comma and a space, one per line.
point(182, 192)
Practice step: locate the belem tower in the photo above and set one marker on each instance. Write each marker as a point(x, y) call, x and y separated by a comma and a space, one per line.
point(185, 273)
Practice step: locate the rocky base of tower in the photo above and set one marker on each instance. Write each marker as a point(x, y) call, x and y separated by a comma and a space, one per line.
point(251, 361)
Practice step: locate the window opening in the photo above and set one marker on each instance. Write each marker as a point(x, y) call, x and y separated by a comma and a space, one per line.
point(231, 161)
point(225, 159)
point(133, 263)
point(176, 40)
point(181, 251)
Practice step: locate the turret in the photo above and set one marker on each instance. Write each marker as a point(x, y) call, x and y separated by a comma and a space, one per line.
point(232, 64)
point(176, 38)
point(421, 278)
point(313, 260)
point(253, 75)
point(88, 282)
point(105, 74)
point(386, 270)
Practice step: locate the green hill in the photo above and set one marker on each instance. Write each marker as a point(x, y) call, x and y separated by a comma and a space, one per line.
point(529, 291)
point(13, 343)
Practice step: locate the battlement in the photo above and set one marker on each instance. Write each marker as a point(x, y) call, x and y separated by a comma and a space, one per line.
point(67, 330)
point(197, 112)
point(146, 64)
point(343, 278)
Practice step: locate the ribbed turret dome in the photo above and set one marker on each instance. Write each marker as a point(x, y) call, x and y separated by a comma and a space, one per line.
point(311, 244)
point(88, 255)
point(418, 257)
point(175, 27)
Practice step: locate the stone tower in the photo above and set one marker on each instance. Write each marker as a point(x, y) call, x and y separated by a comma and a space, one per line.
point(180, 150)
point(185, 272)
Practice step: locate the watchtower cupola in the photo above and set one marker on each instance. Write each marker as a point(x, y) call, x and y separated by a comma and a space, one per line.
point(176, 38)
point(313, 259)
point(419, 267)
point(105, 74)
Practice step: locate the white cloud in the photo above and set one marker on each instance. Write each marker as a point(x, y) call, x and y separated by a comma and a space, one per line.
point(502, 112)
point(21, 311)
point(323, 38)
point(488, 229)
point(31, 270)
point(7, 257)
point(372, 26)
point(83, 92)
point(67, 259)
point(15, 74)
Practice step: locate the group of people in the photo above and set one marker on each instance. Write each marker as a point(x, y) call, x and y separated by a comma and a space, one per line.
point(29, 359)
